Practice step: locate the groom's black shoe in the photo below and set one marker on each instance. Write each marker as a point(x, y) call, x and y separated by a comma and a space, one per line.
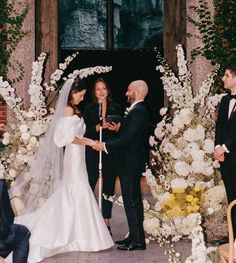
point(133, 246)
point(125, 241)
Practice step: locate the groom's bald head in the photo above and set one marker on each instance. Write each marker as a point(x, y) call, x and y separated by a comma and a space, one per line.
point(139, 88)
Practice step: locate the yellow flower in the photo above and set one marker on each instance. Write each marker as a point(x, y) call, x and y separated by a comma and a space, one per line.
point(178, 190)
point(189, 198)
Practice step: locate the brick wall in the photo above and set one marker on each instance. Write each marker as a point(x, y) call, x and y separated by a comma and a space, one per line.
point(3, 112)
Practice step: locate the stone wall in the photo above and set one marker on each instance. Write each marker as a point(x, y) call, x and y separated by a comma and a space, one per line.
point(200, 67)
point(25, 51)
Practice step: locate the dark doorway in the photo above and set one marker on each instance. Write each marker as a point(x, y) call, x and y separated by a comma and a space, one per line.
point(127, 65)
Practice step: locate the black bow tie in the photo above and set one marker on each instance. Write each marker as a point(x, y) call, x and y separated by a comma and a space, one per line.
point(232, 96)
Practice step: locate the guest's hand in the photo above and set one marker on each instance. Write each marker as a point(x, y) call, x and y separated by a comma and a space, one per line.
point(99, 146)
point(112, 126)
point(2, 127)
point(219, 154)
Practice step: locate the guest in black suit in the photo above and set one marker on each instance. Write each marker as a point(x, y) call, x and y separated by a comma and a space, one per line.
point(102, 93)
point(13, 237)
point(225, 138)
point(131, 143)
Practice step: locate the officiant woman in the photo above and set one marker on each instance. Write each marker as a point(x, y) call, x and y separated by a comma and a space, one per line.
point(101, 94)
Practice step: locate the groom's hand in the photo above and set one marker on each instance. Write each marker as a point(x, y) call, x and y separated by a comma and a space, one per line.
point(98, 146)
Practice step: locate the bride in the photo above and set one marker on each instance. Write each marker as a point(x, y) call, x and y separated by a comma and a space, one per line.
point(61, 211)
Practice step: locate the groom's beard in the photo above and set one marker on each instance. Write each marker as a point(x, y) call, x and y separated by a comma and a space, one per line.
point(130, 100)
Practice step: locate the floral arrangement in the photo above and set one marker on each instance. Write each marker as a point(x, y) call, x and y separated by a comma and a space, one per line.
point(28, 125)
point(184, 174)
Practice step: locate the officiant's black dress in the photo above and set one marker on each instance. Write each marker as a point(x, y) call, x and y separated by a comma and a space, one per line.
point(109, 162)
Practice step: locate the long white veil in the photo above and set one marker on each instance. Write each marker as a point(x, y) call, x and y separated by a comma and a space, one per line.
point(44, 172)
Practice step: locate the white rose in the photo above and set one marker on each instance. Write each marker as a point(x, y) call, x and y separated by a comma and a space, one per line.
point(146, 205)
point(174, 130)
point(5, 141)
point(208, 146)
point(25, 136)
point(23, 128)
point(152, 141)
point(208, 171)
point(159, 133)
point(210, 211)
point(216, 164)
point(186, 116)
point(197, 155)
point(158, 206)
point(169, 147)
point(178, 122)
point(163, 111)
point(30, 114)
point(182, 168)
point(179, 183)
point(176, 154)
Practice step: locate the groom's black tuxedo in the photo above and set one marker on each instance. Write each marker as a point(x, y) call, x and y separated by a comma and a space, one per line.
point(226, 134)
point(13, 237)
point(131, 143)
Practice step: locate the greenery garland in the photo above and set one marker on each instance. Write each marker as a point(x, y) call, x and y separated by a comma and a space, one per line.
point(11, 33)
point(218, 33)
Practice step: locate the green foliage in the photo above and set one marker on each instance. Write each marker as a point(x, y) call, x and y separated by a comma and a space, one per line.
point(218, 33)
point(11, 33)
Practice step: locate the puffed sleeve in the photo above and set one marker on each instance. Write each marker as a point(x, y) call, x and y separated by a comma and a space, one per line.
point(65, 131)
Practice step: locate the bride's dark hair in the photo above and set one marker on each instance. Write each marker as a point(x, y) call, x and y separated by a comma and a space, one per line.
point(77, 86)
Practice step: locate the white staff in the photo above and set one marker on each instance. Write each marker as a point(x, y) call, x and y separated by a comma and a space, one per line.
point(100, 157)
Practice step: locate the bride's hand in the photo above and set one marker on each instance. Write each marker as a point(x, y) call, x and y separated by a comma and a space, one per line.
point(91, 143)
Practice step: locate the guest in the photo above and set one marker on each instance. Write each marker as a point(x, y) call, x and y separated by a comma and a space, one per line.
point(101, 92)
point(13, 237)
point(225, 139)
point(131, 143)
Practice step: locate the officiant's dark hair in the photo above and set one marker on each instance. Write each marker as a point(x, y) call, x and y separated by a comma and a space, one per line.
point(107, 86)
point(77, 86)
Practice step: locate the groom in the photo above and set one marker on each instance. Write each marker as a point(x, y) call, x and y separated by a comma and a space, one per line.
point(131, 143)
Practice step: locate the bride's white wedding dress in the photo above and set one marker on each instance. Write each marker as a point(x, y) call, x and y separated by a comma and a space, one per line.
point(70, 220)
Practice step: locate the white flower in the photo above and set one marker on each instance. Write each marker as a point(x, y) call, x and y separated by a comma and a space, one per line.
point(152, 226)
point(168, 148)
point(208, 145)
point(163, 111)
point(178, 122)
point(159, 133)
point(210, 211)
point(152, 141)
point(176, 154)
point(179, 183)
point(158, 206)
point(216, 164)
point(186, 116)
point(146, 205)
point(198, 155)
point(182, 168)
point(23, 128)
point(5, 141)
point(25, 136)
